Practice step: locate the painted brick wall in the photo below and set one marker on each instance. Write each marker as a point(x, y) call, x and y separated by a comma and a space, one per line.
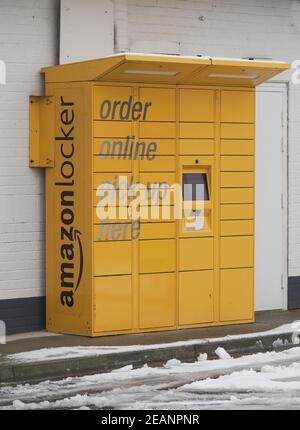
point(229, 28)
point(28, 40)
point(29, 31)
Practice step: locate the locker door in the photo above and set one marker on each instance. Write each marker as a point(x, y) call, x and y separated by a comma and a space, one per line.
point(196, 229)
point(157, 300)
point(157, 245)
point(237, 207)
point(270, 221)
point(195, 297)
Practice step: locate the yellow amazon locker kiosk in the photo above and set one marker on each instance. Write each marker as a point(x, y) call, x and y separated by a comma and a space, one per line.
point(164, 122)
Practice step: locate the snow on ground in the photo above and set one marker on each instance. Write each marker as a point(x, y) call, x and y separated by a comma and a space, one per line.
point(84, 351)
point(269, 378)
point(221, 353)
point(263, 380)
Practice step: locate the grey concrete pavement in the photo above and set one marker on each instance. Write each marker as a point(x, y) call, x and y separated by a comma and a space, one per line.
point(263, 321)
point(154, 355)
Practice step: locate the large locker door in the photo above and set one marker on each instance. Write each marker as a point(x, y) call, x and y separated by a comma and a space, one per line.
point(196, 242)
point(236, 208)
point(157, 243)
point(269, 215)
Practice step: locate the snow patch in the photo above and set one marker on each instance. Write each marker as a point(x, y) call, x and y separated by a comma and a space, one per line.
point(270, 372)
point(123, 369)
point(61, 353)
point(270, 380)
point(170, 364)
point(202, 357)
point(222, 353)
point(278, 342)
point(296, 334)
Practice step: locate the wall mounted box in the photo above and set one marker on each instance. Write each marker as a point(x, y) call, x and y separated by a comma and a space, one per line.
point(127, 276)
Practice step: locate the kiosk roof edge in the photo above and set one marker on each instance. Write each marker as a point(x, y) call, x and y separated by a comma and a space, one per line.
point(167, 69)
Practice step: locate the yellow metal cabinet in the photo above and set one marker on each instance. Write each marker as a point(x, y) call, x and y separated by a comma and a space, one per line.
point(237, 195)
point(237, 251)
point(237, 131)
point(237, 211)
point(111, 129)
point(163, 146)
point(202, 103)
point(162, 103)
point(196, 146)
point(113, 303)
point(100, 94)
point(117, 215)
point(195, 130)
point(165, 230)
point(113, 179)
point(237, 163)
point(160, 195)
point(160, 120)
point(158, 214)
point(158, 130)
point(240, 227)
point(112, 258)
point(196, 253)
point(157, 300)
point(114, 231)
point(236, 294)
point(161, 163)
point(157, 256)
point(158, 178)
point(196, 297)
point(237, 147)
point(237, 106)
point(108, 165)
point(113, 199)
point(237, 179)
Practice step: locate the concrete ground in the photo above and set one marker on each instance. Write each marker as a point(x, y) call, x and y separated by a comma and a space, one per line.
point(152, 351)
point(32, 341)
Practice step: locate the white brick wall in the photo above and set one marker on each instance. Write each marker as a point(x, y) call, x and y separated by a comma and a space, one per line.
point(28, 40)
point(229, 28)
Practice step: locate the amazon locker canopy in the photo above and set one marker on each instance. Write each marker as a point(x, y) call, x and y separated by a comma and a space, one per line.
point(149, 164)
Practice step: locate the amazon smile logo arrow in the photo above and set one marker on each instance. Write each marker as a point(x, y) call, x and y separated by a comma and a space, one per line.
point(77, 238)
